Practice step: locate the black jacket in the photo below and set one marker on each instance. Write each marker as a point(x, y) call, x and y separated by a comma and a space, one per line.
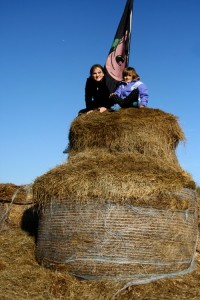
point(96, 94)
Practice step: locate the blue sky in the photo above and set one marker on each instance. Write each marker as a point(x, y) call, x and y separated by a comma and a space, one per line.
point(47, 49)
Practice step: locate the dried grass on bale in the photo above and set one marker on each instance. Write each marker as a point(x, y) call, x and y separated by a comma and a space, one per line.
point(151, 132)
point(100, 176)
point(22, 278)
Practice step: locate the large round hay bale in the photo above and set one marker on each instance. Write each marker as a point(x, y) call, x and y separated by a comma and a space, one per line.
point(112, 216)
point(118, 241)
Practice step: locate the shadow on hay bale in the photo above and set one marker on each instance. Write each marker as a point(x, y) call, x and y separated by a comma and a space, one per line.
point(121, 207)
point(29, 221)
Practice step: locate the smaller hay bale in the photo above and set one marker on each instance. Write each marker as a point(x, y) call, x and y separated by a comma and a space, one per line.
point(19, 194)
point(14, 199)
point(117, 241)
point(150, 132)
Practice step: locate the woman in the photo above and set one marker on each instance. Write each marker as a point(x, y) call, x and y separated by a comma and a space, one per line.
point(96, 91)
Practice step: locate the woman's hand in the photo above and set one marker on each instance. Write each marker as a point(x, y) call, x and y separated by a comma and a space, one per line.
point(102, 109)
point(89, 112)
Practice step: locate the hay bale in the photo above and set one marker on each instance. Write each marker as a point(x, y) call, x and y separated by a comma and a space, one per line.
point(121, 206)
point(150, 132)
point(144, 197)
point(117, 241)
point(14, 200)
point(19, 194)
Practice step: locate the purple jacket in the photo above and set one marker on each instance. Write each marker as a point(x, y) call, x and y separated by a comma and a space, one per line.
point(125, 88)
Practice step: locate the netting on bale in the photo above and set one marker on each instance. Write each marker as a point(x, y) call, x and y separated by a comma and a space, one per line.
point(121, 207)
point(115, 241)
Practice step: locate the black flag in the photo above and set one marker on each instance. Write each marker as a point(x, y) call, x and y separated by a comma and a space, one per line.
point(118, 55)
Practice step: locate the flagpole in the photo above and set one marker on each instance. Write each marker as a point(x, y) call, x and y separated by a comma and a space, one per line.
point(131, 21)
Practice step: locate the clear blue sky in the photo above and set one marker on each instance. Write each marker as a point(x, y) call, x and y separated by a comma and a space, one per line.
point(47, 48)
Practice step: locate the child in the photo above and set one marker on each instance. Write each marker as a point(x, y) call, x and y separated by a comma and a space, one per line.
point(131, 92)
